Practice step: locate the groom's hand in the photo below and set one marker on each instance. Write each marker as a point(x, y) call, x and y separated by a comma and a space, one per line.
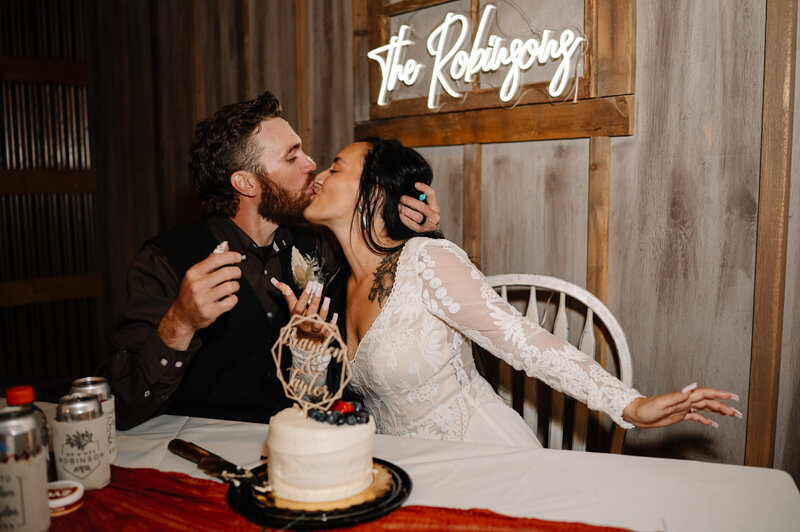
point(208, 290)
point(422, 215)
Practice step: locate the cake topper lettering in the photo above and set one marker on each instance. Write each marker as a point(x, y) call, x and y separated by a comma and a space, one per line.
point(307, 383)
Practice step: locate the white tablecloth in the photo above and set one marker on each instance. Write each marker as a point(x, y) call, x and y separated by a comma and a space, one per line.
point(601, 489)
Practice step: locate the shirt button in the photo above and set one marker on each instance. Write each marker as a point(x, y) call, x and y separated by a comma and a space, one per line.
point(164, 362)
point(179, 364)
point(147, 393)
point(269, 315)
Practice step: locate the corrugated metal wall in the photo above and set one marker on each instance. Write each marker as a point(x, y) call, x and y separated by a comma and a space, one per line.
point(48, 252)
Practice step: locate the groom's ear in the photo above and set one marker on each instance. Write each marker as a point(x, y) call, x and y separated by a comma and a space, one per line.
point(245, 183)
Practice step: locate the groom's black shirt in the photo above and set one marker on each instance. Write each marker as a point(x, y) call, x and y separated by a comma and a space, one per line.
point(227, 372)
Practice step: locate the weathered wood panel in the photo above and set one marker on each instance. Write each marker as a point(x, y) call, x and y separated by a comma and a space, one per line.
point(448, 182)
point(122, 112)
point(173, 87)
point(787, 454)
point(219, 45)
point(534, 214)
point(273, 63)
point(330, 34)
point(534, 220)
point(684, 195)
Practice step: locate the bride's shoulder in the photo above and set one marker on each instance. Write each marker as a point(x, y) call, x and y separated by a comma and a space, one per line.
point(422, 245)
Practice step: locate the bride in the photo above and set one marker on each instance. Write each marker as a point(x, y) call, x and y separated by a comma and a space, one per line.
point(415, 304)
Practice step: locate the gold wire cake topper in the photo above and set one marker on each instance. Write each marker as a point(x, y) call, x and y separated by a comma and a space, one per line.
point(307, 383)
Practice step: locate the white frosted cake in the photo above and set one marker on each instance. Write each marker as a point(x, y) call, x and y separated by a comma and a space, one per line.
point(314, 461)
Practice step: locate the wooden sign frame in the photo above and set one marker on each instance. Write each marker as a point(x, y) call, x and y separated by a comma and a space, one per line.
point(604, 106)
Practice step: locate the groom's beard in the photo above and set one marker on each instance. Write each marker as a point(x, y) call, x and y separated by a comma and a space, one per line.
point(279, 205)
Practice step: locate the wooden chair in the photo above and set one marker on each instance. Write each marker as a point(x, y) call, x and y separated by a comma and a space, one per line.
point(560, 421)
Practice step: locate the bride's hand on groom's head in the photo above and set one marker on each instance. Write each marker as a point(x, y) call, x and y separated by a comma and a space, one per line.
point(420, 214)
point(309, 303)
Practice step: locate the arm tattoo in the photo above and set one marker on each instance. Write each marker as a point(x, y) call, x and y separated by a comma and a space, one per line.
point(384, 278)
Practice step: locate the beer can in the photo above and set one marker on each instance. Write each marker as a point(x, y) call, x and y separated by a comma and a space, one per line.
point(99, 386)
point(23, 471)
point(79, 441)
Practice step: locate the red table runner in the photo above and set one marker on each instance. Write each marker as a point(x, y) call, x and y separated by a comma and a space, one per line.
point(148, 499)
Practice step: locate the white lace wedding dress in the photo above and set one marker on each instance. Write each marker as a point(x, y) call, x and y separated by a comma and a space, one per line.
point(414, 366)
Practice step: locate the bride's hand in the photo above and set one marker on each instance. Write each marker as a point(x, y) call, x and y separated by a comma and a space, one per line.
point(684, 405)
point(308, 304)
point(420, 215)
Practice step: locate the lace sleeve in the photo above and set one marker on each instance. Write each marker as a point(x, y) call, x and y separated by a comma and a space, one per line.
point(455, 291)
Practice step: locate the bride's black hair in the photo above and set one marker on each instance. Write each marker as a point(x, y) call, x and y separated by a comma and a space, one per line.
point(390, 171)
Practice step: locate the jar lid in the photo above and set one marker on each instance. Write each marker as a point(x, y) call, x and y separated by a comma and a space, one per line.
point(64, 496)
point(19, 395)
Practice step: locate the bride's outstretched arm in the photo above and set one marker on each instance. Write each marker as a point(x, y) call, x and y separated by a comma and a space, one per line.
point(455, 291)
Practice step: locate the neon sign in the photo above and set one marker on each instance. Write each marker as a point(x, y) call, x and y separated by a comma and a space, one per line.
point(451, 64)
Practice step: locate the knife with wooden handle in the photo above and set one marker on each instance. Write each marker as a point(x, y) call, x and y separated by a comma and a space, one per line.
point(210, 463)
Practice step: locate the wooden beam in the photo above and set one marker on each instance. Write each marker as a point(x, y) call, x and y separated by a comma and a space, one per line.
point(616, 47)
point(244, 53)
point(597, 259)
point(601, 117)
point(404, 6)
point(198, 105)
point(37, 70)
point(360, 66)
point(46, 181)
point(597, 231)
point(590, 62)
point(773, 218)
point(472, 202)
point(303, 75)
point(48, 289)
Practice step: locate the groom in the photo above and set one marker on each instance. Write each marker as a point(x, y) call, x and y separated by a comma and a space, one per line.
point(201, 314)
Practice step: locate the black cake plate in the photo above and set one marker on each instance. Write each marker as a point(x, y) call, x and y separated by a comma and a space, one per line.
point(242, 500)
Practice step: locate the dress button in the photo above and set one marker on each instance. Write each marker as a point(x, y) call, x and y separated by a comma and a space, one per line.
point(164, 362)
point(147, 393)
point(178, 364)
point(269, 315)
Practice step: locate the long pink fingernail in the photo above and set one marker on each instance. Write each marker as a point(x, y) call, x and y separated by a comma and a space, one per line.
point(310, 287)
point(319, 290)
point(733, 396)
point(737, 413)
point(274, 281)
point(689, 388)
point(714, 424)
point(326, 303)
point(335, 318)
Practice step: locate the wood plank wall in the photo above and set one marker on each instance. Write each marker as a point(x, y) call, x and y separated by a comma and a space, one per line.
point(684, 201)
point(683, 215)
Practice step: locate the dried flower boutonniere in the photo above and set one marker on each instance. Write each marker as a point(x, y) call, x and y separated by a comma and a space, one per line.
point(306, 269)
